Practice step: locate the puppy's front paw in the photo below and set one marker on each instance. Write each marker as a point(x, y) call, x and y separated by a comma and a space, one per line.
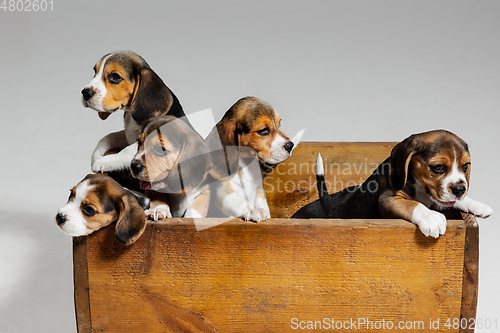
point(107, 163)
point(256, 215)
point(96, 155)
point(430, 222)
point(480, 209)
point(159, 213)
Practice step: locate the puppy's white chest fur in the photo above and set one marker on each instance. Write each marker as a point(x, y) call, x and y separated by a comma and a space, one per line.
point(180, 204)
point(247, 180)
point(132, 129)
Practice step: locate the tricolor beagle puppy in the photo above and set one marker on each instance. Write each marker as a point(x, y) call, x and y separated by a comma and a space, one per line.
point(98, 201)
point(173, 160)
point(426, 174)
point(124, 81)
point(248, 133)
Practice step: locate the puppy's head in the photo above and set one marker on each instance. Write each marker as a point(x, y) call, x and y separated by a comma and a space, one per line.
point(251, 123)
point(124, 81)
point(439, 161)
point(98, 201)
point(171, 157)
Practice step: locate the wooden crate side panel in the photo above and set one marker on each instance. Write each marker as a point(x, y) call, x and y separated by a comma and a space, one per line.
point(292, 183)
point(241, 277)
point(470, 274)
point(81, 282)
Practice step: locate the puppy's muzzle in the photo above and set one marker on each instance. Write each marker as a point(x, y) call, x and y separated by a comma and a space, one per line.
point(288, 146)
point(87, 93)
point(458, 191)
point(136, 168)
point(60, 219)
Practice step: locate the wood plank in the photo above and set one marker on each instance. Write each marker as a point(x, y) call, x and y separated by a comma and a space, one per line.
point(247, 277)
point(470, 274)
point(81, 282)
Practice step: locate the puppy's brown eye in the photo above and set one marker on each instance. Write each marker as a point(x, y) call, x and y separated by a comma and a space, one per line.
point(160, 151)
point(114, 78)
point(95, 70)
point(438, 168)
point(264, 131)
point(465, 167)
point(88, 210)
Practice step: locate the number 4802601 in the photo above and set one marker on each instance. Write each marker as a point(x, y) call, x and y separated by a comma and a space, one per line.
point(471, 323)
point(27, 5)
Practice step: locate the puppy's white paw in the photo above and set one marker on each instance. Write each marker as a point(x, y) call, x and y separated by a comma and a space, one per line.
point(159, 213)
point(474, 207)
point(96, 155)
point(430, 222)
point(480, 209)
point(108, 163)
point(257, 215)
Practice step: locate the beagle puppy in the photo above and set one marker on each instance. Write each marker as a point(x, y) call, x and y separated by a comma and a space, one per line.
point(247, 137)
point(172, 160)
point(124, 81)
point(425, 175)
point(98, 201)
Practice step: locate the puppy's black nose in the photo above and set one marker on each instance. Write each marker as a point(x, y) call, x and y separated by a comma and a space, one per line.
point(136, 168)
point(289, 146)
point(458, 191)
point(60, 219)
point(87, 93)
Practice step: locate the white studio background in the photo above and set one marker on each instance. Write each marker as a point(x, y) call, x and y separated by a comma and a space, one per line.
point(376, 70)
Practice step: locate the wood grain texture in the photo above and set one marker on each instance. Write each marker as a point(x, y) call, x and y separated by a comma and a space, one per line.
point(81, 282)
point(245, 277)
point(257, 277)
point(470, 273)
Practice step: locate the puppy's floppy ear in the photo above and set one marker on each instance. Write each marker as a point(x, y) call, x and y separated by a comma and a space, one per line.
point(152, 97)
point(141, 198)
point(192, 165)
point(223, 144)
point(131, 221)
point(400, 159)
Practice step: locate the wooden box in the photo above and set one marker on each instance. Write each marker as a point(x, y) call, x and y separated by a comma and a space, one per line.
point(283, 275)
